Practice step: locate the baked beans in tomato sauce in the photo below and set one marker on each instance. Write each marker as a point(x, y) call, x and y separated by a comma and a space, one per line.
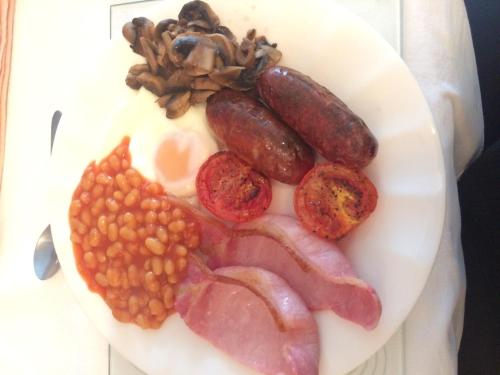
point(130, 240)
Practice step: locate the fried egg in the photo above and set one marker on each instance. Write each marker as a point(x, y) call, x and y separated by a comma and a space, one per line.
point(167, 151)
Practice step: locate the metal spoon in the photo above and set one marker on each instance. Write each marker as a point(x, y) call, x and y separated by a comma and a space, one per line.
point(45, 257)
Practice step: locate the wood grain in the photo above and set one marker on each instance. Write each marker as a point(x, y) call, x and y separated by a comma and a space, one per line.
point(6, 29)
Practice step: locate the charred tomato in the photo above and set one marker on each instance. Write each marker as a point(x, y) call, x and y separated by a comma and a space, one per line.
point(332, 199)
point(230, 189)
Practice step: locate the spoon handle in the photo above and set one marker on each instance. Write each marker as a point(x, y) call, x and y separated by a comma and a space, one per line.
point(45, 259)
point(56, 117)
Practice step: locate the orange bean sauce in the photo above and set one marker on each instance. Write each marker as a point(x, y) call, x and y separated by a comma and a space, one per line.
point(130, 240)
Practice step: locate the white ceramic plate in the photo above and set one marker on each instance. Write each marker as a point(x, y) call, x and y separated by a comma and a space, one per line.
point(393, 250)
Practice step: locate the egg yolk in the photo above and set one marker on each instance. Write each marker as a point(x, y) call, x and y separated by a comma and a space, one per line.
point(172, 160)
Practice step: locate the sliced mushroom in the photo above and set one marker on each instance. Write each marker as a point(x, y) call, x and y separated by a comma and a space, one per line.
point(251, 34)
point(225, 49)
point(227, 33)
point(166, 39)
point(245, 54)
point(199, 25)
point(178, 81)
point(145, 26)
point(138, 69)
point(268, 56)
point(226, 76)
point(265, 56)
point(198, 10)
point(132, 82)
point(181, 47)
point(163, 26)
point(167, 70)
point(195, 52)
point(163, 100)
point(201, 60)
point(172, 34)
point(261, 40)
point(133, 31)
point(178, 104)
point(173, 27)
point(156, 84)
point(177, 30)
point(272, 52)
point(205, 83)
point(200, 96)
point(148, 49)
point(129, 31)
point(219, 63)
point(162, 57)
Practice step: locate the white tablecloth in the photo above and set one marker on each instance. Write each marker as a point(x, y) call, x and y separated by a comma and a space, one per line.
point(42, 329)
point(437, 47)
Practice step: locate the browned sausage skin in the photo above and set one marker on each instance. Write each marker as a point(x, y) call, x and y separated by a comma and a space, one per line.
point(319, 117)
point(256, 135)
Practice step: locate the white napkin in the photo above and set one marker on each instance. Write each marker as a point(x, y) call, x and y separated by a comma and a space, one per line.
point(437, 47)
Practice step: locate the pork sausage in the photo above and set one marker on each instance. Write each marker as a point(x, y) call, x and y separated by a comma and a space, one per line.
point(257, 136)
point(320, 118)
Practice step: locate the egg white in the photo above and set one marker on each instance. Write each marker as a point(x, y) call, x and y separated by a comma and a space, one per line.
point(146, 124)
